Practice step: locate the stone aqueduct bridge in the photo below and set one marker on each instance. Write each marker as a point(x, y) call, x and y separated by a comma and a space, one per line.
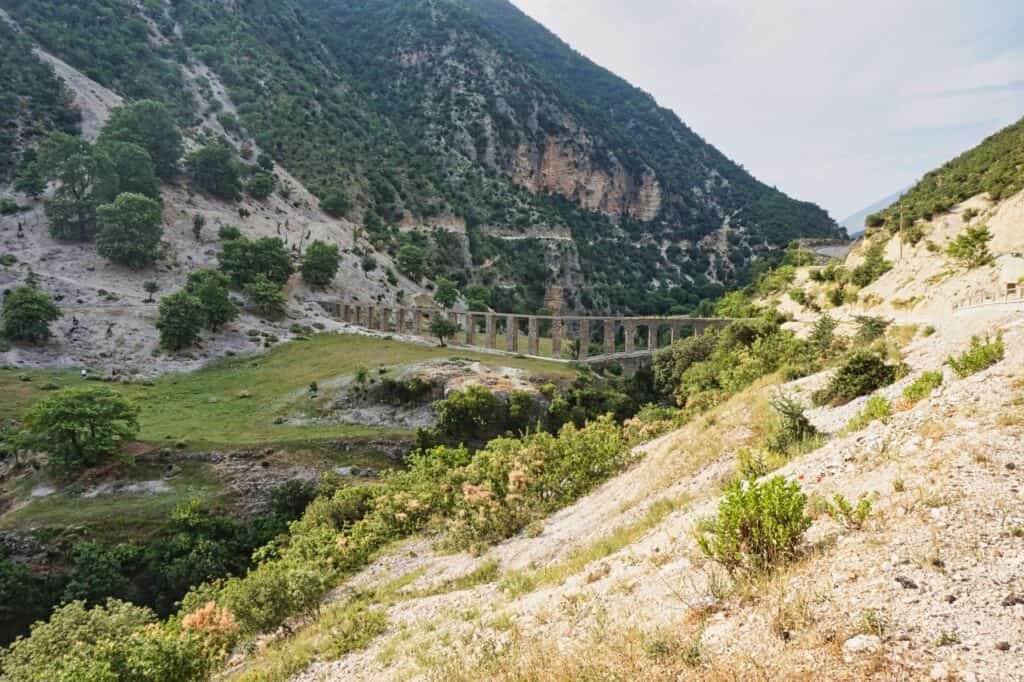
point(482, 329)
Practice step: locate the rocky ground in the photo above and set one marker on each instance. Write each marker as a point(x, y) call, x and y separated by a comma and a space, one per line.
point(930, 588)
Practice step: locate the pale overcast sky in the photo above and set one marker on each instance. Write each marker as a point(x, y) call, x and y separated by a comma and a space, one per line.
point(840, 102)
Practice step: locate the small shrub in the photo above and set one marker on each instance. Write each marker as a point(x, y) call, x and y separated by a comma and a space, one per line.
point(873, 267)
point(847, 515)
point(758, 525)
point(869, 328)
point(791, 430)
point(878, 407)
point(970, 249)
point(978, 357)
point(862, 373)
point(922, 387)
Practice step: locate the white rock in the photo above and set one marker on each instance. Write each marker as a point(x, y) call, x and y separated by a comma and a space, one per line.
point(938, 672)
point(862, 644)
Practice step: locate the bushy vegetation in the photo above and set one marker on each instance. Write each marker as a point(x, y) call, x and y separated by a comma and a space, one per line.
point(873, 266)
point(320, 263)
point(150, 125)
point(266, 297)
point(863, 372)
point(759, 525)
point(81, 426)
point(981, 355)
point(116, 641)
point(922, 387)
point(244, 260)
point(33, 101)
point(877, 408)
point(993, 166)
point(180, 320)
point(129, 230)
point(792, 432)
point(215, 169)
point(27, 314)
point(970, 248)
point(210, 289)
point(704, 370)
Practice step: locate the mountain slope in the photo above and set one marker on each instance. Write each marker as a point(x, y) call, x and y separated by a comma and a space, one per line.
point(463, 116)
point(995, 167)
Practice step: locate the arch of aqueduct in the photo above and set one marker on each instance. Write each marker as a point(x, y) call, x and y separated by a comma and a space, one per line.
point(482, 328)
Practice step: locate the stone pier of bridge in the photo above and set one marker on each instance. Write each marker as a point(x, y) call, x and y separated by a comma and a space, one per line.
point(583, 338)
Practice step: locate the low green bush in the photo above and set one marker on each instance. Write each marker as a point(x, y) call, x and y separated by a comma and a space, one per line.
point(877, 408)
point(846, 514)
point(922, 387)
point(979, 356)
point(863, 372)
point(791, 431)
point(758, 525)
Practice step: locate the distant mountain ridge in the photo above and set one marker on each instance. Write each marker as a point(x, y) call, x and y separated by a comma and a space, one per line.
point(856, 223)
point(462, 122)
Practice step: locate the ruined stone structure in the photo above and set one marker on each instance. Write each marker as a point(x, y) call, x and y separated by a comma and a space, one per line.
point(617, 337)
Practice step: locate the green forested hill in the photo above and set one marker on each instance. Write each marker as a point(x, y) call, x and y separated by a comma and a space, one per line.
point(415, 111)
point(995, 166)
point(32, 100)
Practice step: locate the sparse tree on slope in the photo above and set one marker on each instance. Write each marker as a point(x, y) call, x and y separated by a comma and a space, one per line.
point(130, 230)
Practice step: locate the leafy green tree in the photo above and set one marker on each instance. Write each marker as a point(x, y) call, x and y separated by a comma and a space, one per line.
point(116, 641)
point(225, 233)
point(215, 170)
point(336, 204)
point(478, 297)
point(266, 297)
point(260, 186)
point(24, 599)
point(970, 249)
point(134, 168)
point(442, 328)
point(98, 573)
point(180, 319)
point(445, 292)
point(130, 230)
point(243, 260)
point(81, 426)
point(151, 288)
point(320, 263)
point(411, 261)
point(266, 162)
point(30, 180)
point(149, 125)
point(86, 178)
point(210, 287)
point(27, 314)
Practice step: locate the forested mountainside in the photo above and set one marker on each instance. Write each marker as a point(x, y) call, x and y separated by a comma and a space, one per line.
point(525, 166)
point(995, 166)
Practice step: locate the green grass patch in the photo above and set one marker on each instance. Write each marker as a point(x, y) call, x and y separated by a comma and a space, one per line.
point(235, 401)
point(114, 517)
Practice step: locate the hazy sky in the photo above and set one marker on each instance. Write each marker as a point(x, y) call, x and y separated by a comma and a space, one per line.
point(840, 102)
